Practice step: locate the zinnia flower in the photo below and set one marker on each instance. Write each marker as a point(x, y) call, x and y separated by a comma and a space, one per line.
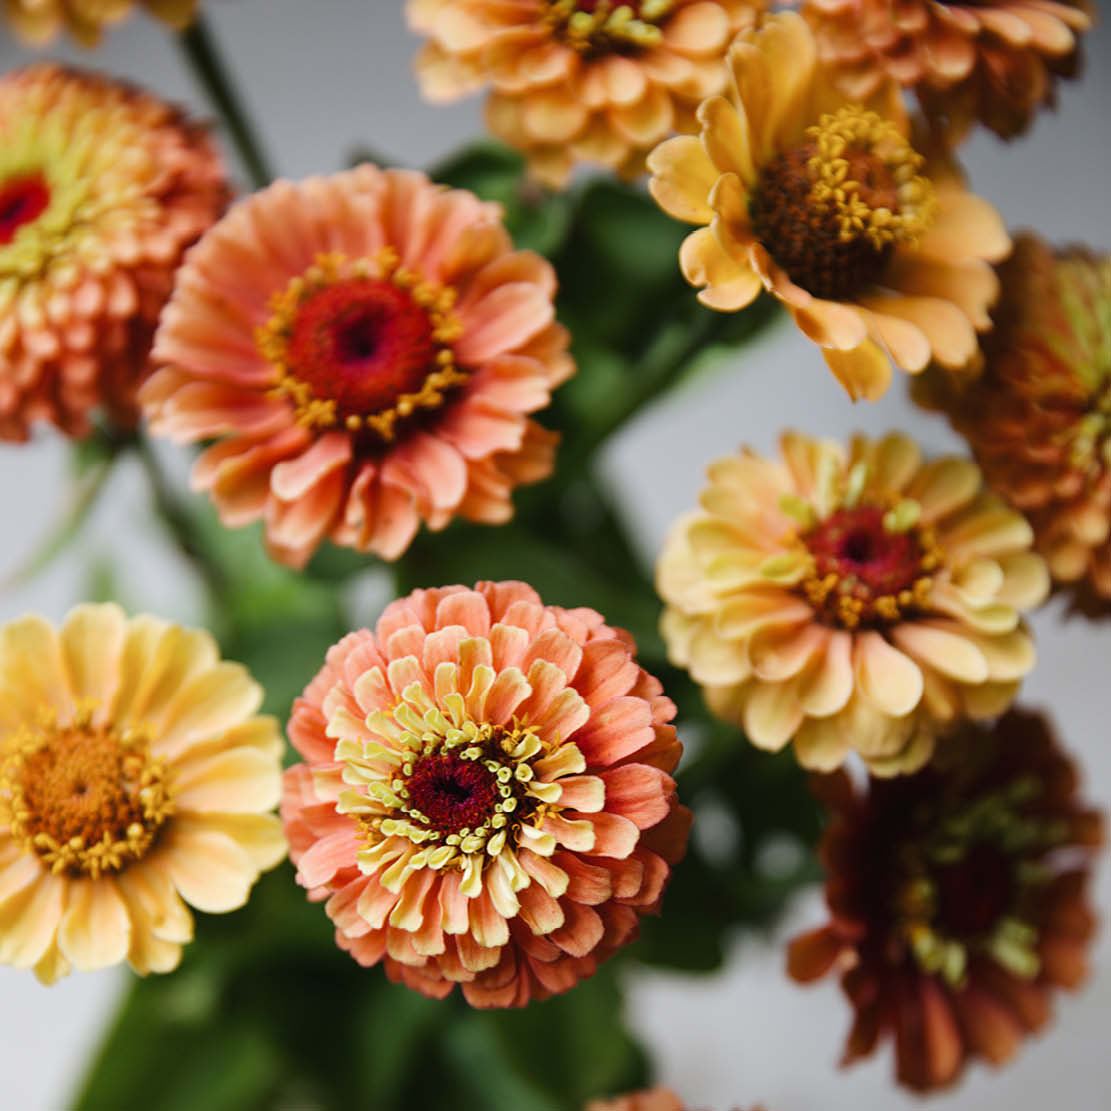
point(364, 348)
point(990, 60)
point(856, 599)
point(877, 255)
point(133, 776)
point(651, 1099)
point(1039, 417)
point(580, 80)
point(102, 189)
point(957, 900)
point(486, 798)
point(38, 21)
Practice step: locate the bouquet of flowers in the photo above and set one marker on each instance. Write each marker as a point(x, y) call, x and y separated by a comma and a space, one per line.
point(418, 863)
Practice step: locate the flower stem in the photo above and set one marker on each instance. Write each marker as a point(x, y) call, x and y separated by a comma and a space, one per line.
point(202, 54)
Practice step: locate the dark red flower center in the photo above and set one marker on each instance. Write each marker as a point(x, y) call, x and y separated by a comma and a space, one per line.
point(22, 200)
point(975, 892)
point(363, 343)
point(453, 793)
point(855, 544)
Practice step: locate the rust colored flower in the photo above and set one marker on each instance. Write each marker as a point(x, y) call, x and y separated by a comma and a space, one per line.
point(1038, 419)
point(485, 799)
point(651, 1099)
point(957, 898)
point(134, 775)
point(580, 80)
point(102, 189)
point(851, 600)
point(995, 61)
point(39, 21)
point(365, 349)
point(879, 255)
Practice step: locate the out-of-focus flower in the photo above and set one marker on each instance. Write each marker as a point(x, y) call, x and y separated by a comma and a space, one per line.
point(878, 255)
point(580, 80)
point(856, 599)
point(133, 776)
point(486, 798)
point(102, 189)
point(651, 1099)
point(39, 21)
point(1039, 417)
point(364, 348)
point(995, 61)
point(957, 899)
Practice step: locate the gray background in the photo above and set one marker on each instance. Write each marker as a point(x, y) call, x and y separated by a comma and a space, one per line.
point(325, 77)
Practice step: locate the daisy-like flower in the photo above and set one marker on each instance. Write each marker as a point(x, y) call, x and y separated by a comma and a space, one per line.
point(580, 80)
point(957, 900)
point(827, 205)
point(858, 599)
point(995, 61)
point(651, 1099)
point(39, 21)
point(364, 348)
point(1038, 419)
point(485, 799)
point(134, 775)
point(102, 189)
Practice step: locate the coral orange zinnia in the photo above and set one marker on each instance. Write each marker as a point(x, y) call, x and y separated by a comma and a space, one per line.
point(877, 254)
point(485, 798)
point(365, 349)
point(102, 189)
point(133, 775)
point(39, 21)
point(957, 900)
point(580, 80)
point(857, 599)
point(990, 60)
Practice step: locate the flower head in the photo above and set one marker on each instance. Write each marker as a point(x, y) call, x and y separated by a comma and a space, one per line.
point(580, 80)
point(878, 254)
point(995, 61)
point(133, 775)
point(858, 599)
point(485, 798)
point(102, 189)
point(651, 1099)
point(364, 348)
point(957, 899)
point(39, 21)
point(1038, 419)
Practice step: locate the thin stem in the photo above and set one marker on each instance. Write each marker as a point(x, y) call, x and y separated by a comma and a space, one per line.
point(203, 56)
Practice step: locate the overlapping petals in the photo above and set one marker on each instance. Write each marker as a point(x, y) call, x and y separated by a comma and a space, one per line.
point(39, 21)
point(486, 797)
point(578, 82)
point(850, 600)
point(364, 348)
point(893, 267)
point(135, 778)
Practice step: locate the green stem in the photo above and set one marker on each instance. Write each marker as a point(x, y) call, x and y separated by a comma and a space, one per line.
point(202, 54)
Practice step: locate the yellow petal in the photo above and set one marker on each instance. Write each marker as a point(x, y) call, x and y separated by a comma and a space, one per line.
point(827, 686)
point(821, 745)
point(945, 650)
point(95, 931)
point(31, 673)
point(729, 285)
point(91, 639)
point(29, 919)
point(241, 780)
point(210, 870)
point(864, 372)
point(725, 140)
point(209, 704)
point(889, 680)
point(942, 486)
point(683, 176)
point(772, 714)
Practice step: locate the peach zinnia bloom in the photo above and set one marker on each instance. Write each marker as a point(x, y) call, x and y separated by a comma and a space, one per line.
point(39, 21)
point(102, 189)
point(856, 599)
point(580, 80)
point(133, 775)
point(651, 1099)
point(957, 900)
point(486, 798)
point(988, 60)
point(1038, 419)
point(364, 348)
point(827, 205)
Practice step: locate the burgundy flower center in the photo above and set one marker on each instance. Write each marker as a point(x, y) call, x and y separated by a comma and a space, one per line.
point(975, 892)
point(453, 793)
point(362, 343)
point(22, 200)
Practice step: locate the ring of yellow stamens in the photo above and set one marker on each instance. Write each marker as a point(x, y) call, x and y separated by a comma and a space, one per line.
point(612, 25)
point(85, 798)
point(274, 341)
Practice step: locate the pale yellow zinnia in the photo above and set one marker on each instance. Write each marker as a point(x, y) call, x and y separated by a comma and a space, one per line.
point(135, 777)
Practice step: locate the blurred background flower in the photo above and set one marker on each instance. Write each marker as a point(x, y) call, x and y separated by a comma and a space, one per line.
point(39, 21)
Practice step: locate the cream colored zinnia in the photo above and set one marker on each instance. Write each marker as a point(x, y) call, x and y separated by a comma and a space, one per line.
point(134, 778)
point(851, 599)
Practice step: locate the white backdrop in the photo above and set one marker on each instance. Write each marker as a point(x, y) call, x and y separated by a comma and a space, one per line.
point(325, 76)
